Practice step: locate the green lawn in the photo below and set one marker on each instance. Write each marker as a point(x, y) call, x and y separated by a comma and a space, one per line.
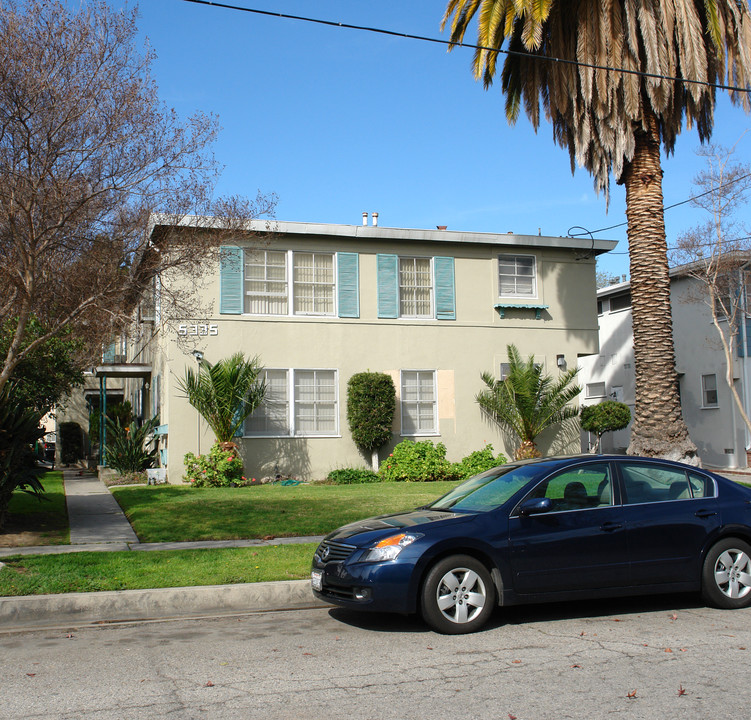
point(175, 513)
point(94, 571)
point(39, 522)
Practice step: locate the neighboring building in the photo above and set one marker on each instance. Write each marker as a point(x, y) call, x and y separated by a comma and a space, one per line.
point(318, 303)
point(709, 411)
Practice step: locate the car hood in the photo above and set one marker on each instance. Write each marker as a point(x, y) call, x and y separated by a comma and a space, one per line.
point(376, 527)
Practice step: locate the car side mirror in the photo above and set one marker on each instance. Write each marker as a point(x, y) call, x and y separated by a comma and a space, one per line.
point(535, 506)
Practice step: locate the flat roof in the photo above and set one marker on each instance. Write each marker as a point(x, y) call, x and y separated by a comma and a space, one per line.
point(381, 232)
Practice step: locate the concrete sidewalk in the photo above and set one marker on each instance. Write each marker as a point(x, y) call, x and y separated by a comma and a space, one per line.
point(98, 524)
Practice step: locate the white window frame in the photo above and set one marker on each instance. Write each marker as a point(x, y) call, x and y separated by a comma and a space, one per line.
point(284, 404)
point(292, 404)
point(248, 256)
point(296, 404)
point(290, 284)
point(431, 310)
point(314, 283)
point(506, 257)
point(434, 431)
point(592, 390)
point(704, 390)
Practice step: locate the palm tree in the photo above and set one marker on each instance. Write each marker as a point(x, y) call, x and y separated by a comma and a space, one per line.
point(225, 393)
point(527, 401)
point(626, 74)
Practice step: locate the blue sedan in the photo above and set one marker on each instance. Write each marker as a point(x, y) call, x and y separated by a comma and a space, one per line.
point(544, 530)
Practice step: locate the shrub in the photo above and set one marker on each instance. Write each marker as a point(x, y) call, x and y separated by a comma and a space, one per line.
point(417, 462)
point(477, 462)
point(352, 476)
point(126, 449)
point(371, 401)
point(19, 430)
point(606, 416)
point(220, 468)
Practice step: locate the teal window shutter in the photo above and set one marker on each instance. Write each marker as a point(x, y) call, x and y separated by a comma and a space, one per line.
point(388, 286)
point(348, 279)
point(231, 281)
point(445, 295)
point(240, 431)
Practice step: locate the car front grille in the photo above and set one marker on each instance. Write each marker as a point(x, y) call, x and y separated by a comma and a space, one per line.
point(333, 551)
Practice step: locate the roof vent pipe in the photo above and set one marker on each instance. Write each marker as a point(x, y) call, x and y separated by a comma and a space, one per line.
point(375, 219)
point(365, 218)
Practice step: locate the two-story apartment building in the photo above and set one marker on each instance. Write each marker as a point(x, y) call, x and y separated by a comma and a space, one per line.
point(318, 303)
point(709, 411)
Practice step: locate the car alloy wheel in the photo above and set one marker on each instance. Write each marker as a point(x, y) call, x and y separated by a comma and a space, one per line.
point(458, 595)
point(726, 578)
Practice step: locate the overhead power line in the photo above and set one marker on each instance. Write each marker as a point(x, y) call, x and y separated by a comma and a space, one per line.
point(449, 43)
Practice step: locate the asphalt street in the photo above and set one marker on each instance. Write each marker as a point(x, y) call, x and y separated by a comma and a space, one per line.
point(663, 657)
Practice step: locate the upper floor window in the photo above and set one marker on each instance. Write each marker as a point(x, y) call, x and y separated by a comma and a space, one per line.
point(283, 282)
point(517, 275)
point(620, 302)
point(415, 287)
point(266, 282)
point(313, 283)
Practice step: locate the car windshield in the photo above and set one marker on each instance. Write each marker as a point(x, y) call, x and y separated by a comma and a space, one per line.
point(488, 490)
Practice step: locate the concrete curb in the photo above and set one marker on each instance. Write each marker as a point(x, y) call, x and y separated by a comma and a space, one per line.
point(77, 609)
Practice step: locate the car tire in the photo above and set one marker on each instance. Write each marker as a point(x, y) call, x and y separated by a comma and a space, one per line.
point(726, 575)
point(458, 595)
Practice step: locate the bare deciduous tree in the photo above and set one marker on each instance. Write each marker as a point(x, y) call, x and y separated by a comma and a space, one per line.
point(88, 157)
point(717, 253)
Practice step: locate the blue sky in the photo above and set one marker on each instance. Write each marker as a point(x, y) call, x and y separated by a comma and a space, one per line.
point(338, 121)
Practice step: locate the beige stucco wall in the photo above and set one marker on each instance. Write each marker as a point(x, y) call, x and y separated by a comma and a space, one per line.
point(459, 350)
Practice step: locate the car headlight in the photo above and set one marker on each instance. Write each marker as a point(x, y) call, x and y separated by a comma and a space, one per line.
point(389, 548)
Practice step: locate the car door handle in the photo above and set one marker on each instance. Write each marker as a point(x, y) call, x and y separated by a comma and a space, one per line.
point(705, 513)
point(611, 526)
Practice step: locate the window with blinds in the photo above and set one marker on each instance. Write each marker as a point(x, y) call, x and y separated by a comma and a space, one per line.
point(313, 283)
point(297, 403)
point(517, 276)
point(419, 402)
point(415, 287)
point(266, 282)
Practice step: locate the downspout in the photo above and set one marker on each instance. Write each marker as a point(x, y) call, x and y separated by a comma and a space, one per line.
point(744, 366)
point(103, 426)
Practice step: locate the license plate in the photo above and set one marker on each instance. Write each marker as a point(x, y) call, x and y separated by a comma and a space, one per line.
point(315, 579)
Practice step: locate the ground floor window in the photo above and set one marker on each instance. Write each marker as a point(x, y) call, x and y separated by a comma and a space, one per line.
point(298, 402)
point(709, 390)
point(419, 402)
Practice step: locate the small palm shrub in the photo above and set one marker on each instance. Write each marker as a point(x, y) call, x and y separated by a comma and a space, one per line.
point(352, 476)
point(220, 467)
point(128, 448)
point(417, 462)
point(478, 462)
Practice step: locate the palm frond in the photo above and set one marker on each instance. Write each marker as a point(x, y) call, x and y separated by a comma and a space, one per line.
point(225, 393)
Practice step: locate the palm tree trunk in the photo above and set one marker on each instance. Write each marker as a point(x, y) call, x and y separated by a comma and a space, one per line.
point(658, 429)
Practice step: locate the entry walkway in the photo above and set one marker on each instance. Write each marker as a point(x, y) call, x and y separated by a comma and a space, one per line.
point(98, 524)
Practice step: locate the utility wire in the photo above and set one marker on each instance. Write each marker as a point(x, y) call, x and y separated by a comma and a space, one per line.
point(450, 44)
